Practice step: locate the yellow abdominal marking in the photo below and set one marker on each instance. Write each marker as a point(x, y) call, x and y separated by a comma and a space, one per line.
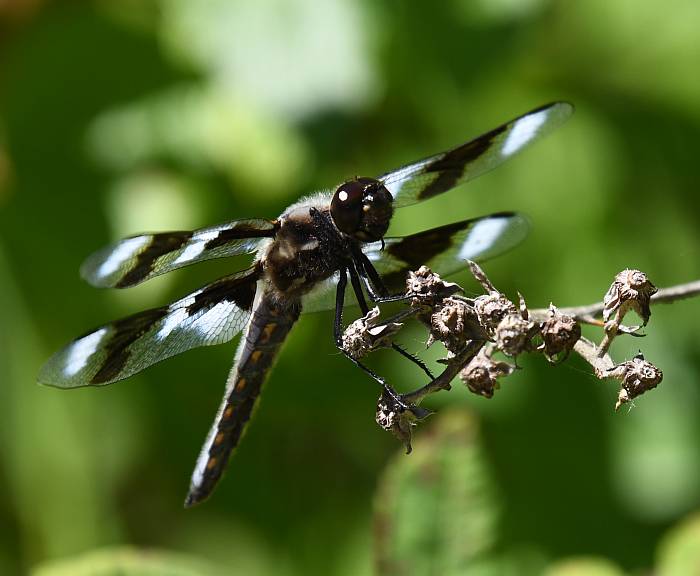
point(240, 385)
point(211, 463)
point(228, 412)
point(255, 356)
point(267, 332)
point(219, 438)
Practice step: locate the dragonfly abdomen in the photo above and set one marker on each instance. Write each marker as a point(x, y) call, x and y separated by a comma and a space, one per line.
point(258, 349)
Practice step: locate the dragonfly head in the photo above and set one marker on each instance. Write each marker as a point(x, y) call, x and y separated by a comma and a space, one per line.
point(362, 209)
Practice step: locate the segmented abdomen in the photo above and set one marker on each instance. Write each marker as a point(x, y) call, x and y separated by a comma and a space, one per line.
point(267, 330)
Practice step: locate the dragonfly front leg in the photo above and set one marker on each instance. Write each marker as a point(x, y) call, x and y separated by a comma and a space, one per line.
point(357, 288)
point(338, 333)
point(374, 285)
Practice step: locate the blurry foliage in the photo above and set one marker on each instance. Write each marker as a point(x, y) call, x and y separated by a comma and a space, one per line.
point(254, 50)
point(121, 116)
point(584, 567)
point(436, 512)
point(679, 552)
point(127, 562)
point(201, 128)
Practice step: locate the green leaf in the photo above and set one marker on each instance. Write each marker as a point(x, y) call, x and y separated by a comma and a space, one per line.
point(679, 551)
point(584, 567)
point(435, 511)
point(129, 562)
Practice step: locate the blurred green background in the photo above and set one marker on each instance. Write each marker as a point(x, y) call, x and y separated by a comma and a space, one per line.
point(118, 117)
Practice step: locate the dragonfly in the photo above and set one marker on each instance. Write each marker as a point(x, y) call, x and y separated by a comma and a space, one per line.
point(302, 260)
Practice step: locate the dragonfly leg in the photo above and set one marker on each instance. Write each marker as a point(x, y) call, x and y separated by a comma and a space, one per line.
point(417, 361)
point(376, 289)
point(338, 332)
point(357, 288)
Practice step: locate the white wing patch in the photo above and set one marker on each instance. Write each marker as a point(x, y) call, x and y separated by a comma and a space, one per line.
point(124, 251)
point(482, 236)
point(172, 321)
point(80, 352)
point(523, 131)
point(208, 323)
point(197, 247)
point(215, 320)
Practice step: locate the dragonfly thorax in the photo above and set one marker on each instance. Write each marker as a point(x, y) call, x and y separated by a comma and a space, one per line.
point(307, 249)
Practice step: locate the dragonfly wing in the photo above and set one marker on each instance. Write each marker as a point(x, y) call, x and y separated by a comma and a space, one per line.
point(211, 315)
point(437, 174)
point(139, 258)
point(445, 249)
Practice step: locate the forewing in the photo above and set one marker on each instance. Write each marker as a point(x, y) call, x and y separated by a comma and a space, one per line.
point(211, 315)
point(139, 258)
point(432, 176)
point(444, 250)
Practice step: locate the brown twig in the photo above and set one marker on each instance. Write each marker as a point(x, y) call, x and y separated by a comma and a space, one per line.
point(663, 296)
point(454, 366)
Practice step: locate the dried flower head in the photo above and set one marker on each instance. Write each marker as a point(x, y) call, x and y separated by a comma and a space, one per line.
point(631, 290)
point(637, 376)
point(398, 417)
point(491, 309)
point(514, 334)
point(482, 373)
point(559, 334)
point(367, 334)
point(425, 287)
point(453, 323)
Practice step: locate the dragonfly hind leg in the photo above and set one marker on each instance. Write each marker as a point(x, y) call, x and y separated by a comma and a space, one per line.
point(417, 361)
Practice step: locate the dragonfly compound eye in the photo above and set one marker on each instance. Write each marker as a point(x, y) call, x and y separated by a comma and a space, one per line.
point(362, 208)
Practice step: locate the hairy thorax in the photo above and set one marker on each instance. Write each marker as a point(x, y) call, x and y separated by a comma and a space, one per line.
point(306, 250)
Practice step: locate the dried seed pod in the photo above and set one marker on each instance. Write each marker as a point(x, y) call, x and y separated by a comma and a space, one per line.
point(454, 323)
point(637, 376)
point(559, 334)
point(491, 309)
point(631, 290)
point(367, 334)
point(426, 287)
point(513, 335)
point(482, 373)
point(399, 418)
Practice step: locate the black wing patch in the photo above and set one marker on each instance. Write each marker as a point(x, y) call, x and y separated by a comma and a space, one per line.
point(211, 315)
point(437, 174)
point(139, 258)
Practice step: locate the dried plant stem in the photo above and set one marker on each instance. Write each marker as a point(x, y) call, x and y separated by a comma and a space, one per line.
point(587, 313)
point(476, 332)
point(591, 354)
point(453, 368)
